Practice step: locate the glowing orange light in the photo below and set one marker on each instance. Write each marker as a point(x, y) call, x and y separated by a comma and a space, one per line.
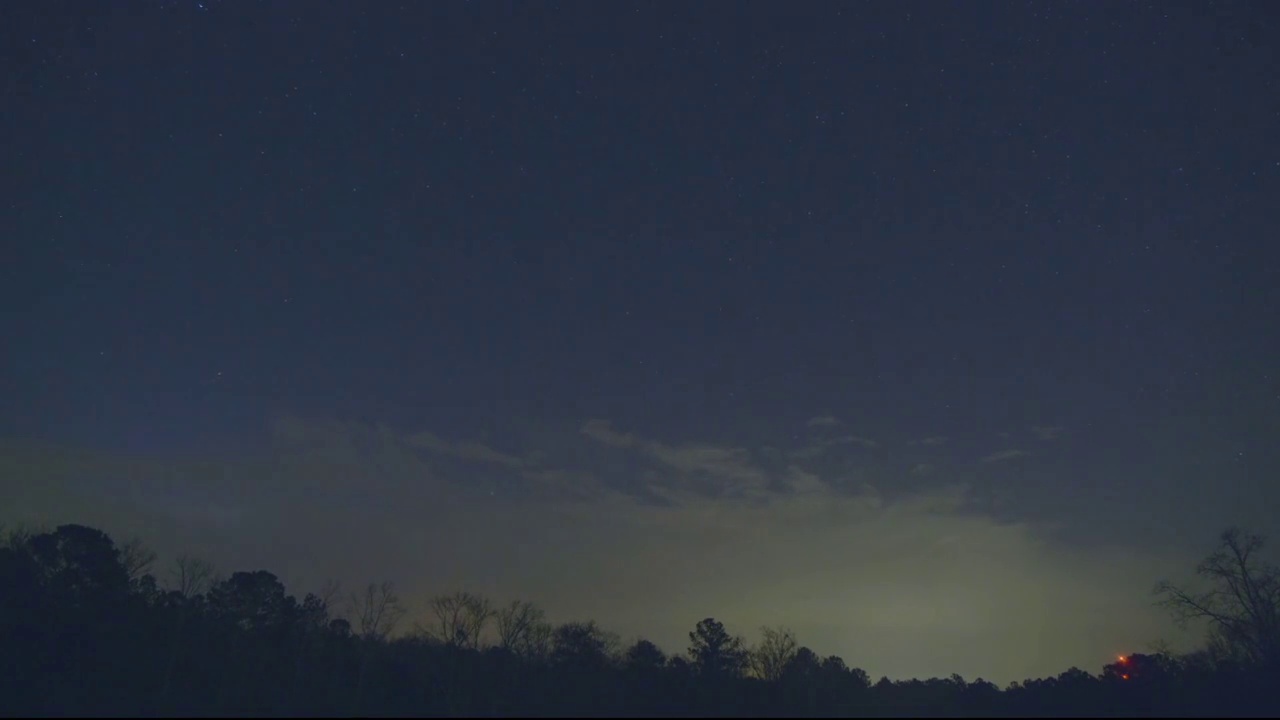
point(1125, 676)
point(1124, 659)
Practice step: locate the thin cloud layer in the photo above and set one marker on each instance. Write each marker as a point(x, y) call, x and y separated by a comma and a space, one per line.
point(1047, 433)
point(602, 431)
point(1005, 456)
point(478, 452)
point(822, 446)
point(722, 470)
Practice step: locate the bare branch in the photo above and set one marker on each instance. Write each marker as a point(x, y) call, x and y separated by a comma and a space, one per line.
point(377, 610)
point(329, 593)
point(460, 618)
point(776, 650)
point(190, 576)
point(517, 627)
point(1242, 601)
point(136, 558)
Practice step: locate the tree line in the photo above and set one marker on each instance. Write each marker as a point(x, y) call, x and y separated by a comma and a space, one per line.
point(89, 628)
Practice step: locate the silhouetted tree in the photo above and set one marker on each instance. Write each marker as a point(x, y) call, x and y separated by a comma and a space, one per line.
point(377, 610)
point(340, 627)
point(460, 618)
point(81, 634)
point(137, 559)
point(714, 652)
point(644, 656)
point(803, 665)
point(190, 576)
point(522, 630)
point(1242, 600)
point(1134, 668)
point(777, 648)
point(580, 646)
point(253, 600)
point(79, 563)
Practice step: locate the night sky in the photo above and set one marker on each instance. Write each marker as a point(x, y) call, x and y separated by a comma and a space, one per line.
point(938, 332)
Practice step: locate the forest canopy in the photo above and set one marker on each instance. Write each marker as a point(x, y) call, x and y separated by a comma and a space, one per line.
point(92, 627)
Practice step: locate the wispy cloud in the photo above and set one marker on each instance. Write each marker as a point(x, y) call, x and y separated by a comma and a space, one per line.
point(804, 482)
point(732, 469)
point(602, 431)
point(1051, 432)
point(819, 447)
point(328, 450)
point(565, 484)
point(733, 466)
point(465, 450)
point(1004, 455)
point(922, 469)
point(823, 421)
point(931, 440)
point(854, 440)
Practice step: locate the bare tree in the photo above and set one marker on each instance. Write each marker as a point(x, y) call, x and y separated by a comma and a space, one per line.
point(775, 652)
point(329, 593)
point(137, 558)
point(377, 610)
point(518, 624)
point(460, 618)
point(190, 576)
point(540, 640)
point(1242, 602)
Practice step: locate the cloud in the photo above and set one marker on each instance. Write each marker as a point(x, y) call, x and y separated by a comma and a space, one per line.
point(922, 469)
point(1004, 455)
point(918, 584)
point(1047, 433)
point(733, 466)
point(932, 440)
point(566, 484)
point(819, 447)
point(602, 431)
point(854, 440)
point(732, 470)
point(804, 482)
point(329, 450)
point(474, 451)
point(822, 421)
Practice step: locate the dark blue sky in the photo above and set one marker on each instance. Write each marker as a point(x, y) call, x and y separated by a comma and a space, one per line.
point(1035, 229)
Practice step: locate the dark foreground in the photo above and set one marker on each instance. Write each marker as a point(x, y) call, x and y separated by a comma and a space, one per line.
point(86, 630)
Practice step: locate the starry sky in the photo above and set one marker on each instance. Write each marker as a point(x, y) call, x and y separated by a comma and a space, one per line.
point(937, 332)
